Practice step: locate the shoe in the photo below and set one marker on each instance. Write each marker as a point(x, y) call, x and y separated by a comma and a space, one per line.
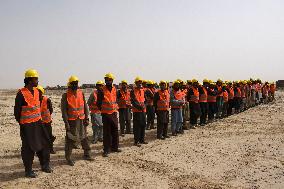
point(174, 134)
point(161, 138)
point(137, 144)
point(52, 151)
point(70, 162)
point(88, 158)
point(144, 142)
point(105, 154)
point(116, 150)
point(167, 136)
point(46, 169)
point(30, 174)
point(122, 135)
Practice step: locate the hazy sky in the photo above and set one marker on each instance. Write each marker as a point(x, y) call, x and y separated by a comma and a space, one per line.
point(155, 39)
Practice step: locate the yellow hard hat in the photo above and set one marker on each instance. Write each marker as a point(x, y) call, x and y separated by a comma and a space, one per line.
point(205, 80)
point(150, 82)
point(31, 73)
point(220, 80)
point(210, 81)
point(163, 81)
point(124, 81)
point(138, 79)
point(40, 88)
point(194, 81)
point(100, 82)
point(109, 75)
point(73, 78)
point(176, 82)
point(189, 81)
point(224, 85)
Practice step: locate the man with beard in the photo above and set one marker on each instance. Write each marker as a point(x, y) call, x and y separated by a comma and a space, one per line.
point(96, 117)
point(75, 116)
point(107, 103)
point(124, 105)
point(28, 114)
point(139, 112)
point(162, 106)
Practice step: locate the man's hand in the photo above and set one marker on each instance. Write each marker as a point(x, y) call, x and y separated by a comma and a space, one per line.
point(86, 122)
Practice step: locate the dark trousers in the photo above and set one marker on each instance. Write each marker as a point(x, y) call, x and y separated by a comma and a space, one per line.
point(70, 145)
point(162, 123)
point(28, 157)
point(162, 129)
point(194, 112)
point(124, 120)
point(237, 102)
point(139, 126)
point(110, 132)
point(211, 110)
point(48, 128)
point(34, 141)
point(230, 107)
point(204, 112)
point(225, 109)
point(150, 116)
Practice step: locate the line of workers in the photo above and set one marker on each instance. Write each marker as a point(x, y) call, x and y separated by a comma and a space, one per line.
point(110, 108)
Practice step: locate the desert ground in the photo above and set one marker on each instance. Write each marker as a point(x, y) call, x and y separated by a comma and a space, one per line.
point(243, 151)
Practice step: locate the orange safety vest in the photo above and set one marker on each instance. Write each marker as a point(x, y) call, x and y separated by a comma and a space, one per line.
point(93, 107)
point(220, 90)
point(265, 90)
point(184, 93)
point(109, 104)
point(149, 101)
point(225, 96)
point(31, 112)
point(45, 113)
point(195, 97)
point(140, 98)
point(258, 87)
point(272, 88)
point(203, 97)
point(124, 100)
point(231, 93)
point(178, 95)
point(76, 105)
point(239, 93)
point(163, 103)
point(211, 98)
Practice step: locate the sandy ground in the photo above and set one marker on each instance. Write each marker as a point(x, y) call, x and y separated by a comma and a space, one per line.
point(243, 151)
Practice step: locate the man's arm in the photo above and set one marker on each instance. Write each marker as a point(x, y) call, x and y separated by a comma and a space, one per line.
point(155, 100)
point(91, 99)
point(64, 111)
point(134, 102)
point(49, 105)
point(100, 99)
point(18, 106)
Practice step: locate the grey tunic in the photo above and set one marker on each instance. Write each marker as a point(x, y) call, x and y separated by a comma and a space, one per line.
point(76, 127)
